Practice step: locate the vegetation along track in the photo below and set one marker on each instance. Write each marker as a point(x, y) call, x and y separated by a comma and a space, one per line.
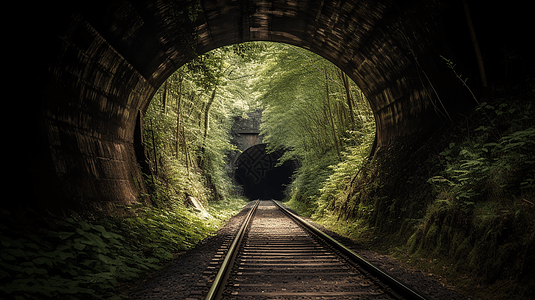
point(278, 255)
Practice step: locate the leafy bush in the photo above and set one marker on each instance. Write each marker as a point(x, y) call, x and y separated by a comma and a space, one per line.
point(305, 188)
point(482, 219)
point(334, 188)
point(490, 163)
point(320, 115)
point(86, 258)
point(187, 126)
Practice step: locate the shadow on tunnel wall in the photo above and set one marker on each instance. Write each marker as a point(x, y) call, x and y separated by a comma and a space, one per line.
point(257, 173)
point(96, 64)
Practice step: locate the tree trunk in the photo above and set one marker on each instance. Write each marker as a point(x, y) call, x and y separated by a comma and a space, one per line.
point(164, 98)
point(331, 117)
point(178, 112)
point(348, 97)
point(206, 115)
point(154, 148)
point(475, 44)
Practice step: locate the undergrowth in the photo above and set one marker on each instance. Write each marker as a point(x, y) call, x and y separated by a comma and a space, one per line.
point(88, 257)
point(482, 221)
point(461, 205)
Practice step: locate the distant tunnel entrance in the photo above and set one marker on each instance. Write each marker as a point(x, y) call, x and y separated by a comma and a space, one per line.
point(100, 62)
point(257, 172)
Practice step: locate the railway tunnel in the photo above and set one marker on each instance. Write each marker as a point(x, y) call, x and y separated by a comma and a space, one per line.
point(98, 63)
point(260, 176)
point(253, 168)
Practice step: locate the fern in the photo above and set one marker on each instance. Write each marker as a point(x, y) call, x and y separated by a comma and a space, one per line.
point(86, 258)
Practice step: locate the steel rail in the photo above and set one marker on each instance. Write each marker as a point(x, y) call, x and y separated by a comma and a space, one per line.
point(223, 273)
point(397, 286)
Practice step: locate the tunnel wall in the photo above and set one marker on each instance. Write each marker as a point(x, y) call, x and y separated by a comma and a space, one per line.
point(245, 132)
point(98, 63)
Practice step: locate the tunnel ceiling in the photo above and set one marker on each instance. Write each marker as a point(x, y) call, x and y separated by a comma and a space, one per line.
point(99, 63)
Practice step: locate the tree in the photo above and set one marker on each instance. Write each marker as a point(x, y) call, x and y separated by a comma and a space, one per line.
point(188, 124)
point(309, 108)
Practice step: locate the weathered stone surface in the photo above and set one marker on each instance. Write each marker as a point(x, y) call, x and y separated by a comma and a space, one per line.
point(245, 132)
point(197, 206)
point(98, 63)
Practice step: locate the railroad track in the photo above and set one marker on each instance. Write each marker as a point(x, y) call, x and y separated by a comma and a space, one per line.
point(278, 255)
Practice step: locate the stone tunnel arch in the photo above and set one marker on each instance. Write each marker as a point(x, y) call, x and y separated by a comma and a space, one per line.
point(257, 172)
point(100, 62)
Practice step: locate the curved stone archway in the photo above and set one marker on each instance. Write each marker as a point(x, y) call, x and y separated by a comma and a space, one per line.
point(257, 172)
point(100, 62)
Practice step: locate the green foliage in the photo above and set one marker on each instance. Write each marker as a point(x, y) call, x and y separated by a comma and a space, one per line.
point(86, 258)
point(305, 188)
point(78, 259)
point(187, 126)
point(476, 218)
point(310, 108)
point(490, 163)
point(334, 191)
point(321, 117)
point(483, 218)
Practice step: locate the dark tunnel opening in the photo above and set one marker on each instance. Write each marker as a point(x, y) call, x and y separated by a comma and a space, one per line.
point(257, 172)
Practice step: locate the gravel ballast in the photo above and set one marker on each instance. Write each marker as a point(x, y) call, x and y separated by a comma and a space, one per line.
point(189, 276)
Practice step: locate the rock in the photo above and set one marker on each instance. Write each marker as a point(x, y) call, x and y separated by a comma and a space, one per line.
point(197, 205)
